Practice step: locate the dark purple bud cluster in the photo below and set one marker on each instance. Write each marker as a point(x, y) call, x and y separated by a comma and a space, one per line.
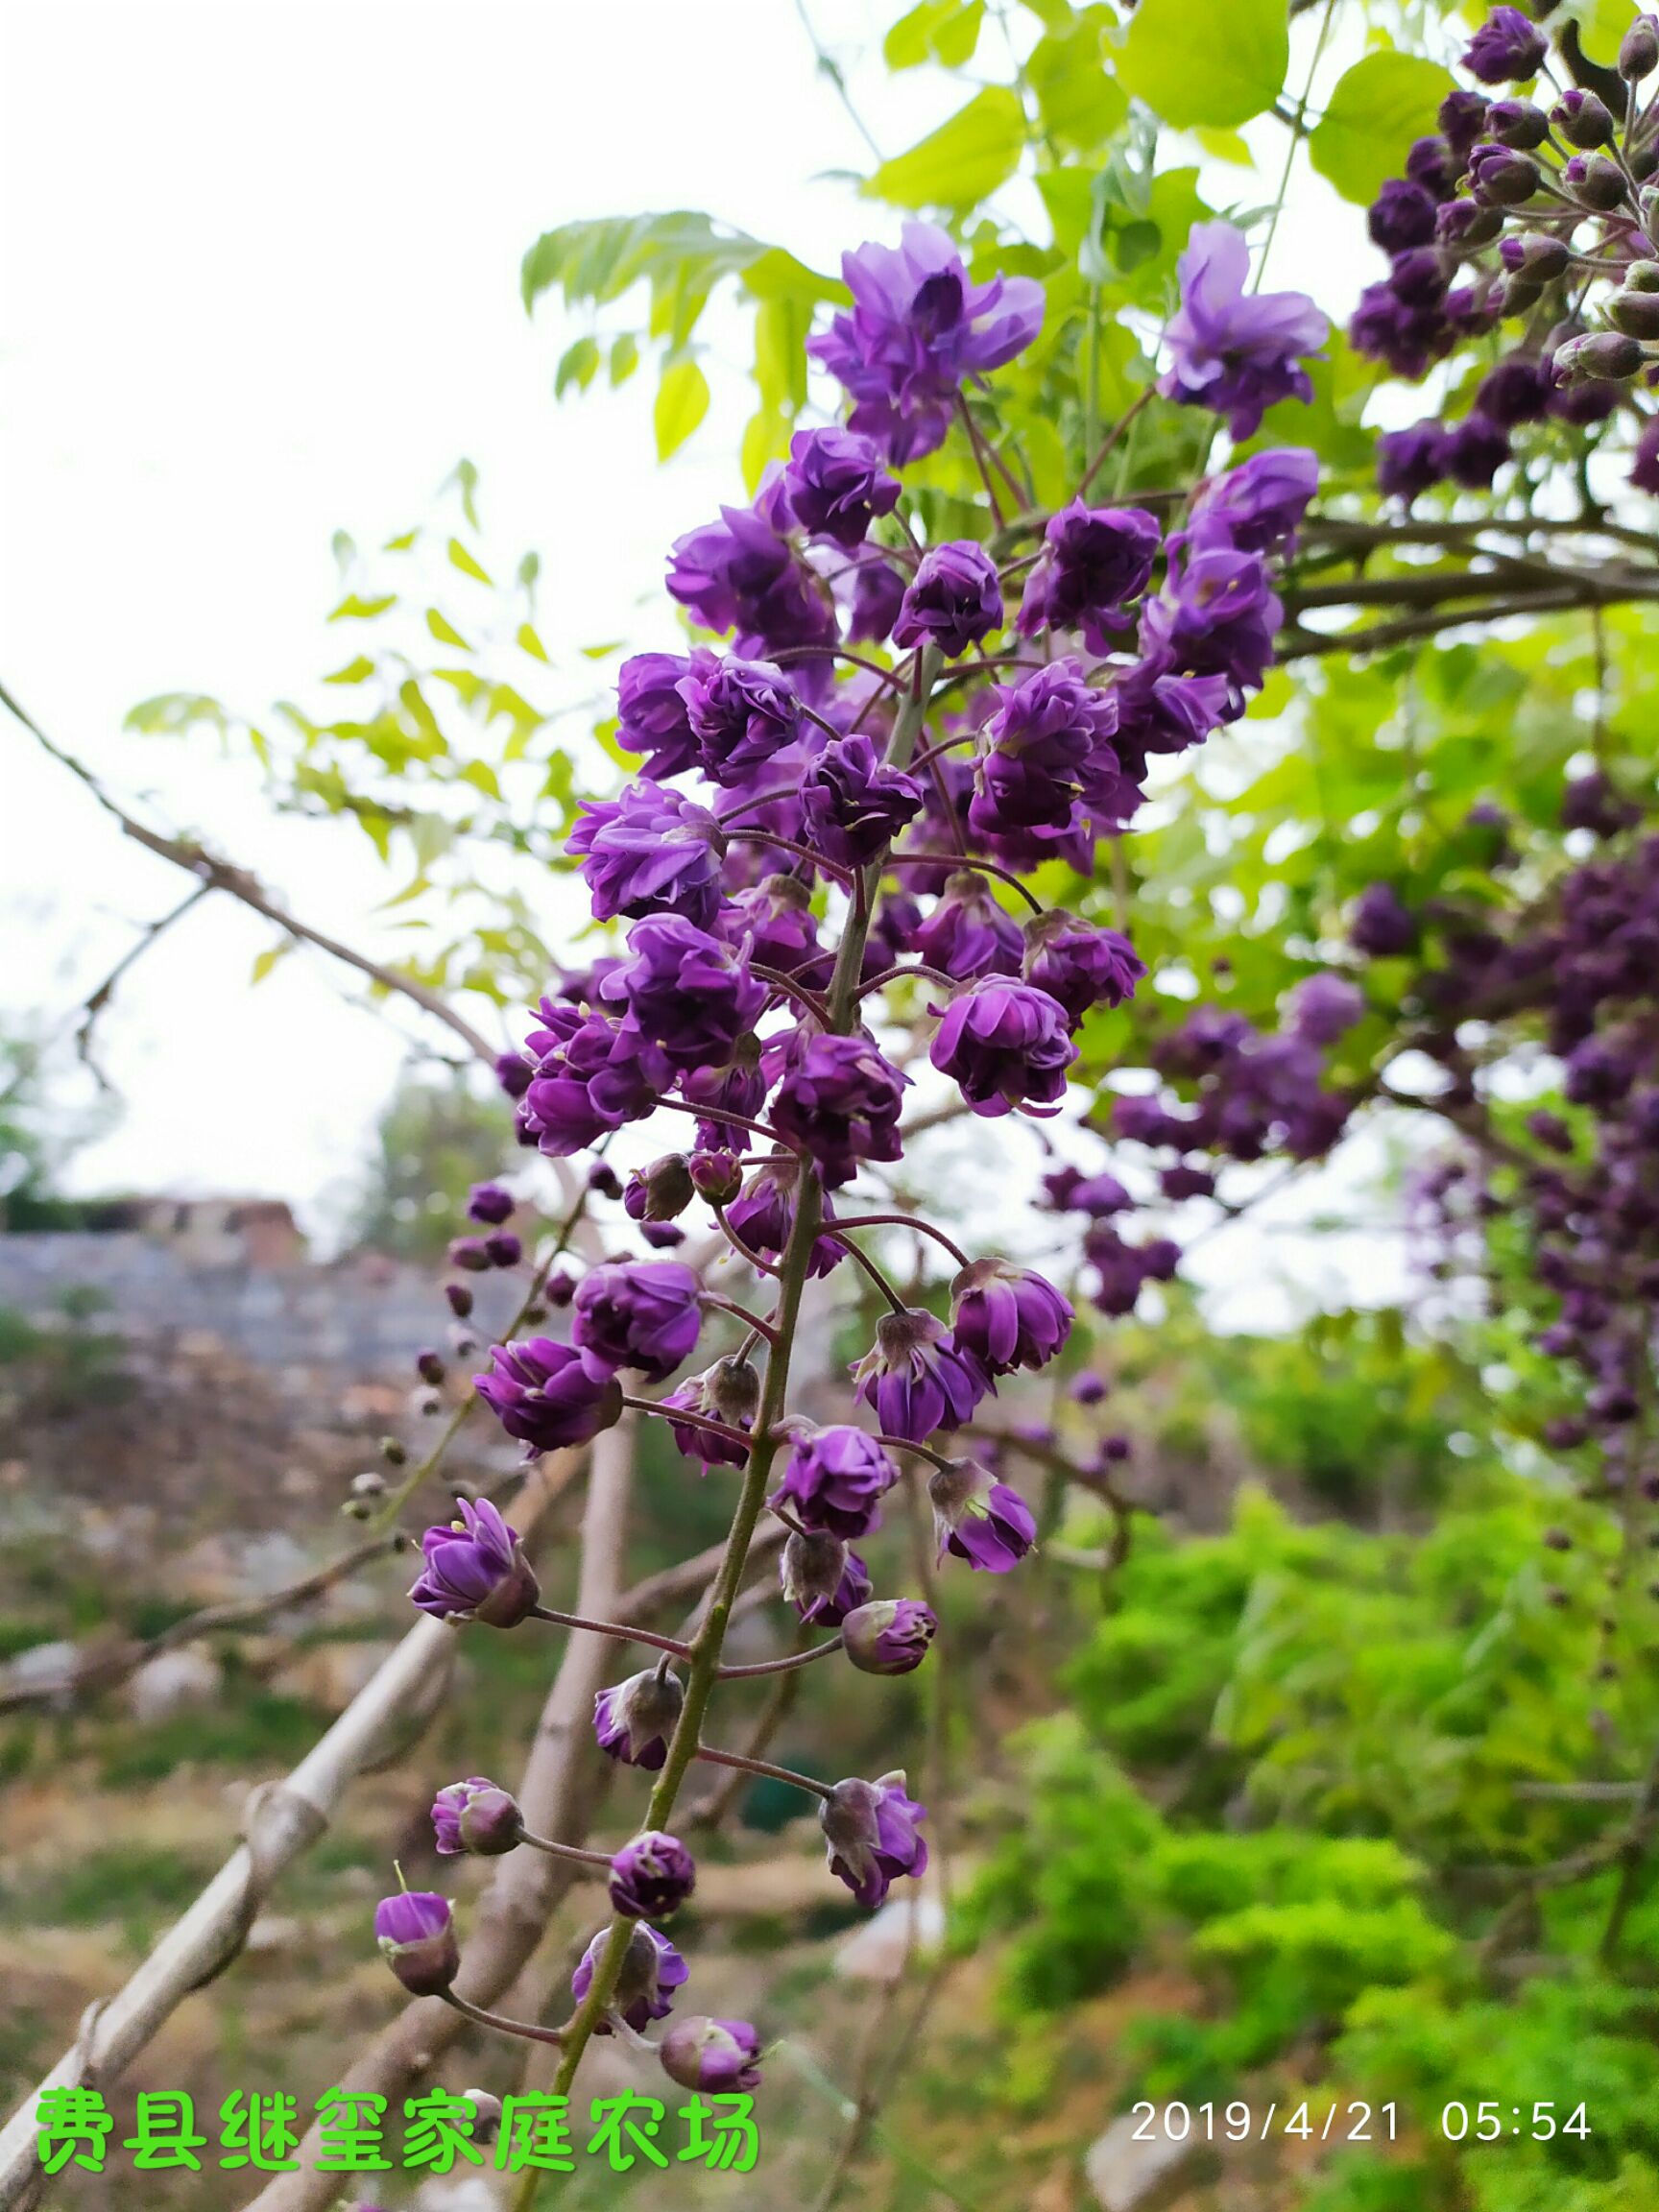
point(1528, 212)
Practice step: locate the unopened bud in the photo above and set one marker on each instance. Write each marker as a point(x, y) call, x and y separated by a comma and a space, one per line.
point(1602, 356)
point(1517, 124)
point(1635, 312)
point(1582, 119)
point(416, 1932)
point(889, 1636)
point(660, 1191)
point(1639, 50)
point(460, 1299)
point(716, 1177)
point(393, 1453)
point(604, 1179)
point(429, 1366)
point(1537, 257)
point(371, 1483)
point(1595, 181)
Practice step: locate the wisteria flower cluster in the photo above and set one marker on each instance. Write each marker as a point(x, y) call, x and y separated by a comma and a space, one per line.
point(1532, 211)
point(818, 878)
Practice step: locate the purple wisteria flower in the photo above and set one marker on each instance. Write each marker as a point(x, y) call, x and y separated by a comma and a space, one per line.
point(839, 1099)
point(689, 993)
point(548, 1395)
point(1095, 561)
point(1507, 48)
point(475, 1569)
point(1079, 965)
point(1047, 740)
point(590, 1075)
point(640, 1314)
point(821, 1578)
point(1007, 1316)
point(416, 1932)
point(952, 600)
point(1161, 712)
point(917, 329)
point(728, 1392)
point(741, 712)
point(836, 485)
point(476, 1816)
point(633, 1721)
point(1005, 1045)
point(877, 592)
point(652, 1970)
point(776, 916)
point(762, 1216)
point(1258, 506)
point(917, 1378)
point(1236, 352)
point(742, 574)
point(719, 2055)
point(980, 1519)
point(889, 1636)
point(652, 1876)
point(834, 1480)
point(1402, 216)
point(968, 934)
point(649, 851)
point(855, 805)
point(1218, 615)
point(872, 1833)
point(651, 712)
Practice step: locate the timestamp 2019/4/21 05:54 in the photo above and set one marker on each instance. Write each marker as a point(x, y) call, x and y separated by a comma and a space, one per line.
point(1484, 2120)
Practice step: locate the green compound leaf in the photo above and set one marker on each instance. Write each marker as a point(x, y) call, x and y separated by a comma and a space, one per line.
point(1377, 109)
point(1212, 61)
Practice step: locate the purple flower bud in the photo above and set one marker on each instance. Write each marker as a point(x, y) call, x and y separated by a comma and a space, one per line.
point(633, 1721)
point(834, 1480)
point(980, 1519)
point(1596, 181)
point(1507, 48)
point(839, 1099)
point(718, 2055)
point(1582, 119)
point(1607, 356)
point(651, 713)
point(429, 1366)
point(475, 1569)
point(1079, 964)
point(1461, 118)
point(490, 1204)
point(716, 1175)
point(652, 1970)
point(1095, 561)
point(889, 1636)
point(1410, 462)
point(1236, 352)
point(659, 1192)
point(1088, 1389)
point(503, 1249)
point(1518, 123)
point(837, 486)
point(1639, 50)
point(968, 934)
point(1008, 1316)
point(604, 1180)
point(559, 1288)
point(872, 1833)
point(477, 1816)
point(1006, 1046)
point(467, 1253)
point(460, 1299)
point(652, 1876)
point(728, 1392)
point(952, 601)
point(1645, 468)
point(855, 806)
point(644, 1315)
point(917, 1378)
point(416, 1932)
point(548, 1395)
point(1501, 177)
point(918, 328)
point(1402, 216)
point(822, 1578)
point(763, 1216)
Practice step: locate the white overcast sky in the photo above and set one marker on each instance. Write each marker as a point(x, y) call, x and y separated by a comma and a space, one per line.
point(258, 281)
